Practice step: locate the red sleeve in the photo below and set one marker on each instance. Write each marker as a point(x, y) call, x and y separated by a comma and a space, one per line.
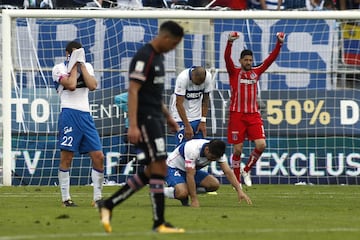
point(228, 61)
point(271, 58)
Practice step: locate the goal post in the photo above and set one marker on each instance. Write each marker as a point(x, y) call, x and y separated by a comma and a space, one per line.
point(308, 96)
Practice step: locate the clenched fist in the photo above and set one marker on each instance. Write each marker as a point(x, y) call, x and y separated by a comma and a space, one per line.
point(233, 36)
point(280, 36)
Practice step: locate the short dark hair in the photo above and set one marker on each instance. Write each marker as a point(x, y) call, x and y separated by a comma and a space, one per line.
point(71, 45)
point(173, 28)
point(217, 147)
point(246, 52)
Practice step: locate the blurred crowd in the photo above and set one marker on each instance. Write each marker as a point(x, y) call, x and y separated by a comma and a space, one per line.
point(311, 5)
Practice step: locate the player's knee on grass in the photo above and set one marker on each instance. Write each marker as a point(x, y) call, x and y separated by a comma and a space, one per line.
point(181, 191)
point(210, 183)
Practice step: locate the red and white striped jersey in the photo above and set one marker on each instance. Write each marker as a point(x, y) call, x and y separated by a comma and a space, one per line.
point(243, 84)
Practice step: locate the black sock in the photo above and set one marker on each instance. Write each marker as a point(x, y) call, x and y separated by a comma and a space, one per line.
point(132, 185)
point(157, 199)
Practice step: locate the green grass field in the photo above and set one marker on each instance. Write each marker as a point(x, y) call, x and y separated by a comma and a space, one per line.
point(278, 212)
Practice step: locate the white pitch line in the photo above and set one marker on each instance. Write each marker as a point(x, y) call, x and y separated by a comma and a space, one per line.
point(124, 234)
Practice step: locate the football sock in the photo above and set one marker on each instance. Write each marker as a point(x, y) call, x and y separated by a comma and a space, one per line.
point(254, 156)
point(97, 178)
point(132, 185)
point(64, 183)
point(201, 190)
point(169, 192)
point(157, 199)
point(235, 163)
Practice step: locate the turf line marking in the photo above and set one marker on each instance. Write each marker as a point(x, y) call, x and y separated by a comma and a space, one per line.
point(124, 234)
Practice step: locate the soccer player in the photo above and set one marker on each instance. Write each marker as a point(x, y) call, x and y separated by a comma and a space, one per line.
point(185, 175)
point(73, 80)
point(146, 112)
point(190, 103)
point(128, 151)
point(245, 119)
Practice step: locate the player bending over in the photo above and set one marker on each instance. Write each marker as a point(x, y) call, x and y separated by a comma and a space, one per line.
point(185, 174)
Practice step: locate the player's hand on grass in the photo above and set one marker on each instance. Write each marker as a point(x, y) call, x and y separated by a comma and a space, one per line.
point(243, 196)
point(280, 36)
point(233, 36)
point(195, 203)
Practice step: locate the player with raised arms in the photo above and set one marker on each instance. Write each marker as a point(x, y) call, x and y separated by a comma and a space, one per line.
point(245, 119)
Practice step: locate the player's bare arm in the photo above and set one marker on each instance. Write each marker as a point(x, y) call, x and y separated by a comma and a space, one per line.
point(70, 81)
point(189, 134)
point(204, 111)
point(90, 80)
point(172, 124)
point(234, 182)
point(190, 181)
point(134, 134)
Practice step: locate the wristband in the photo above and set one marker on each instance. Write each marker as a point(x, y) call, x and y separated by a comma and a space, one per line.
point(203, 119)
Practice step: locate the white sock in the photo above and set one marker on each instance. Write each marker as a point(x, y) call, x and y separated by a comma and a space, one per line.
point(64, 183)
point(97, 179)
point(200, 190)
point(169, 192)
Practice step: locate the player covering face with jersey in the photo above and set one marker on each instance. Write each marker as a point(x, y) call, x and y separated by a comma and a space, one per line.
point(73, 79)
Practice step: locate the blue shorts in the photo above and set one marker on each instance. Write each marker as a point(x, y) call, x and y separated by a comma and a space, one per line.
point(176, 176)
point(179, 136)
point(77, 132)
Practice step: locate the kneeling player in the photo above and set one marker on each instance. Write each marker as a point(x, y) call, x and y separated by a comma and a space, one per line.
point(184, 174)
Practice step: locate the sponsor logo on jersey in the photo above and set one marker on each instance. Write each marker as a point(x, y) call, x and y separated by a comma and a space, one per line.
point(193, 94)
point(248, 81)
point(253, 75)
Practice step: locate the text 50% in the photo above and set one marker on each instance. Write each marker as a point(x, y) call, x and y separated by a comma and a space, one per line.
point(293, 112)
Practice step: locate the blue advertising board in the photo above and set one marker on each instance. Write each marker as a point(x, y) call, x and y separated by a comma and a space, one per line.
point(314, 138)
point(311, 113)
point(300, 114)
point(287, 160)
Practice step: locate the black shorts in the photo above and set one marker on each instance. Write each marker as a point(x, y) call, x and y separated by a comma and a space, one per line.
point(154, 144)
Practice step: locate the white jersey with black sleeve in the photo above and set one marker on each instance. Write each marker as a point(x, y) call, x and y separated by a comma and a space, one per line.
point(190, 154)
point(193, 95)
point(77, 99)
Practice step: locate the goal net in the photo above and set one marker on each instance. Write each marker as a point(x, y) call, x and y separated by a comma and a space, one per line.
point(309, 96)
